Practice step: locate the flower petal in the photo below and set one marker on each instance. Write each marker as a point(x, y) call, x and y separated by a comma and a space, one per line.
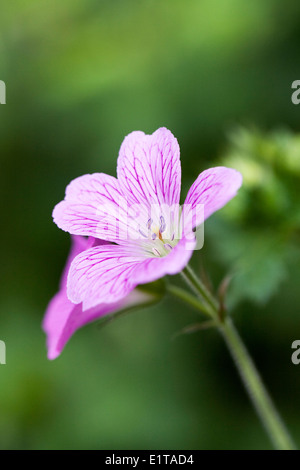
point(63, 318)
point(60, 307)
point(78, 245)
point(108, 273)
point(212, 189)
point(95, 206)
point(103, 274)
point(149, 168)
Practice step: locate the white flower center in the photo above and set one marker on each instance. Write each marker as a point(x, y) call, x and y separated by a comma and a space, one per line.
point(158, 237)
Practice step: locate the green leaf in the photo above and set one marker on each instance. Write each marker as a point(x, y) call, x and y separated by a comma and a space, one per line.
point(256, 259)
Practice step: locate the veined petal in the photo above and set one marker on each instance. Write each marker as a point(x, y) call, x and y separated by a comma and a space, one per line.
point(78, 245)
point(63, 317)
point(95, 206)
point(109, 273)
point(212, 189)
point(60, 308)
point(149, 168)
point(103, 274)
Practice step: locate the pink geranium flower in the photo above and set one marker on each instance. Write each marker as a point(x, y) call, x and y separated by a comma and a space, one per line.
point(147, 233)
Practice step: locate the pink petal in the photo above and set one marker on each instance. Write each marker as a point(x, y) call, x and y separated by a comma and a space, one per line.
point(94, 206)
point(78, 245)
point(56, 318)
point(109, 273)
point(213, 188)
point(149, 168)
point(102, 274)
point(63, 318)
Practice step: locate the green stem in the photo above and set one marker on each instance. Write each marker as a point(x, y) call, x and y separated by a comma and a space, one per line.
point(256, 389)
point(200, 289)
point(188, 298)
point(252, 381)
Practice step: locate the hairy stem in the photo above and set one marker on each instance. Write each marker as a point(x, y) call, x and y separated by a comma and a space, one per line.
point(255, 388)
point(257, 392)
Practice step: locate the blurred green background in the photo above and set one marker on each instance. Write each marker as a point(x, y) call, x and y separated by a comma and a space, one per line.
point(80, 75)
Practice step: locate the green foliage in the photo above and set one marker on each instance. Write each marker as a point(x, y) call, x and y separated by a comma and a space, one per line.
point(258, 231)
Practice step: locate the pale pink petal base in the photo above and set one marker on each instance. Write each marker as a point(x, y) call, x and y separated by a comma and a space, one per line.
point(152, 269)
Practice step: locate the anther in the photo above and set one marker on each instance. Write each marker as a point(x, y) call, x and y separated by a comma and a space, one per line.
point(156, 252)
point(142, 233)
point(162, 224)
point(168, 247)
point(149, 223)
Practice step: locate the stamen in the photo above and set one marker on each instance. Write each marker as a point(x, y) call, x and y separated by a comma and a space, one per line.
point(149, 223)
point(142, 233)
point(156, 252)
point(153, 236)
point(162, 224)
point(168, 247)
